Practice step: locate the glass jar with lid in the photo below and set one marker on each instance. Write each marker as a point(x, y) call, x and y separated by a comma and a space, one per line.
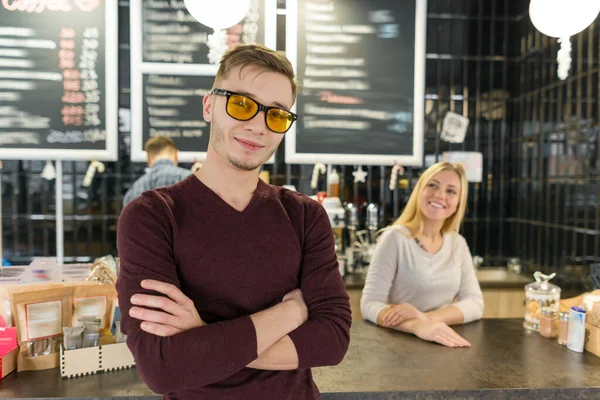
point(538, 295)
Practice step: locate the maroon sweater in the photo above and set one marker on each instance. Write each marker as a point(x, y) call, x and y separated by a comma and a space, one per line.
point(231, 264)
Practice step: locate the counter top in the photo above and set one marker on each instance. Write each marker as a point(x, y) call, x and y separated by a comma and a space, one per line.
point(501, 278)
point(488, 277)
point(503, 355)
point(505, 361)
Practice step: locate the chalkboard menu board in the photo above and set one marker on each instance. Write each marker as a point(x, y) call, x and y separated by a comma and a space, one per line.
point(361, 68)
point(58, 80)
point(173, 107)
point(174, 60)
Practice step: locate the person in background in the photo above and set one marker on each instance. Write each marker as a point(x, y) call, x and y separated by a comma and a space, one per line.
point(162, 156)
point(229, 287)
point(421, 278)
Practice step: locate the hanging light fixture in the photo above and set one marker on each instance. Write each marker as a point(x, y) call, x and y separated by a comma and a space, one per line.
point(218, 15)
point(562, 19)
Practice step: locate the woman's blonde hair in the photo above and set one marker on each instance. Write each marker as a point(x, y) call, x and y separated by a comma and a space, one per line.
point(412, 217)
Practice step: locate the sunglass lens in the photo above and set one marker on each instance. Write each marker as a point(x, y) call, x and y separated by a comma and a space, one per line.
point(241, 107)
point(279, 120)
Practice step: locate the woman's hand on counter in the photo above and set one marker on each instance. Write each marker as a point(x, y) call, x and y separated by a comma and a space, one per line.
point(396, 314)
point(440, 333)
point(170, 315)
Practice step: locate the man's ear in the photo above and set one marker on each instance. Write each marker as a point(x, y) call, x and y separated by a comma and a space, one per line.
point(207, 107)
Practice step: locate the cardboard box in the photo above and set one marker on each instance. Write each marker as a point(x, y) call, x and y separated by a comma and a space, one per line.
point(8, 362)
point(566, 304)
point(91, 360)
point(592, 339)
point(9, 350)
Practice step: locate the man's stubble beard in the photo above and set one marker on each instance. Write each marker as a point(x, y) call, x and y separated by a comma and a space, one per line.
point(217, 138)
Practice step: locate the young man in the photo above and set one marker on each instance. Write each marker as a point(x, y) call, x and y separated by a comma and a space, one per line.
point(229, 287)
point(162, 156)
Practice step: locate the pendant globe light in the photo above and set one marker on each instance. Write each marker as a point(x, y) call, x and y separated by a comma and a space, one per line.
point(218, 15)
point(562, 19)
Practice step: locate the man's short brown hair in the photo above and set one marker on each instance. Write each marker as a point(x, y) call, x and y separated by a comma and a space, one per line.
point(158, 144)
point(259, 56)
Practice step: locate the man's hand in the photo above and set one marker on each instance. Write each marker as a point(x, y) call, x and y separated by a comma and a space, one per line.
point(175, 313)
point(440, 333)
point(396, 314)
point(296, 296)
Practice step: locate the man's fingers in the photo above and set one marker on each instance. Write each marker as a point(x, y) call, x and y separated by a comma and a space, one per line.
point(159, 302)
point(158, 329)
point(154, 316)
point(172, 291)
point(290, 295)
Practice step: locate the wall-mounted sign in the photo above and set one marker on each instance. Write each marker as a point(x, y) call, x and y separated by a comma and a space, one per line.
point(58, 80)
point(361, 67)
point(173, 65)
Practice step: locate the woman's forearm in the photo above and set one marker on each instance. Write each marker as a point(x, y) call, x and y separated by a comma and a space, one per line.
point(406, 326)
point(450, 315)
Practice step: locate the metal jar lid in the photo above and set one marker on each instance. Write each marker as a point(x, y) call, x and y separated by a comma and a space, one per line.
point(563, 316)
point(549, 312)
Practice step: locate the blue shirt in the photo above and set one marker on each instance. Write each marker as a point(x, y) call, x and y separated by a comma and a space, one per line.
point(163, 173)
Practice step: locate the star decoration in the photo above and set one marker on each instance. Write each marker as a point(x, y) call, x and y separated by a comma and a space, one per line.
point(359, 175)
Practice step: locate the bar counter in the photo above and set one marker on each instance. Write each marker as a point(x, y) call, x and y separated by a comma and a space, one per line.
point(504, 362)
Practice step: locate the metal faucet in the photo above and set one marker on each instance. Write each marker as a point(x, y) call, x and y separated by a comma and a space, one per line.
point(351, 215)
point(372, 221)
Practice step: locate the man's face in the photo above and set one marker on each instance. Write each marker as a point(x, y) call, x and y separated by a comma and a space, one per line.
point(246, 145)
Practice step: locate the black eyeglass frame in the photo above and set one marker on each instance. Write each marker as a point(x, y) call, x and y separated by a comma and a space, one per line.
point(261, 107)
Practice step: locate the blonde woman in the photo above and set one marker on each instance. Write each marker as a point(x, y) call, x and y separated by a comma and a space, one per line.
point(421, 278)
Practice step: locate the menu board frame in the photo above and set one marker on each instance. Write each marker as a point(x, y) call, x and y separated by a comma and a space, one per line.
point(139, 68)
point(111, 93)
point(414, 159)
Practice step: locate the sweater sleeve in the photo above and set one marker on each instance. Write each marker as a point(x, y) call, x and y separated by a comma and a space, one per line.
point(469, 299)
point(191, 359)
point(324, 338)
point(380, 276)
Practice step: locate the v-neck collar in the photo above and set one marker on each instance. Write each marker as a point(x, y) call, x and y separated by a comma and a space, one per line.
point(199, 188)
point(445, 242)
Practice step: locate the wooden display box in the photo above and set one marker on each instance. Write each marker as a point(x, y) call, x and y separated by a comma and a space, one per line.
point(592, 339)
point(90, 360)
point(9, 362)
point(9, 350)
point(592, 332)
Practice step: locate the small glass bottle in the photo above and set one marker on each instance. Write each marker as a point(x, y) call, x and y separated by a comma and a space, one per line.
point(563, 328)
point(548, 326)
point(333, 186)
